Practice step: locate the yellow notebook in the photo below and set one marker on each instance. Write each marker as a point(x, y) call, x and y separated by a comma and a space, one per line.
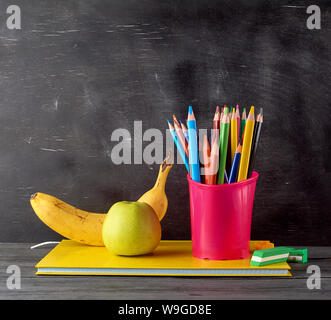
point(170, 258)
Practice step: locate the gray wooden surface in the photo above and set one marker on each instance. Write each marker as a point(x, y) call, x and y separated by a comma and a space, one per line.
point(166, 288)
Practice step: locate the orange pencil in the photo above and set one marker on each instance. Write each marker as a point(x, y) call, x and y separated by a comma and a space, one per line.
point(185, 131)
point(180, 135)
point(206, 160)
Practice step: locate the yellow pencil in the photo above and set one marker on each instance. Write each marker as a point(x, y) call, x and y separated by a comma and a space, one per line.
point(234, 133)
point(247, 144)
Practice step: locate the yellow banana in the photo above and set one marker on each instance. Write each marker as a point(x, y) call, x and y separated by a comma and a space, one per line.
point(156, 197)
point(70, 222)
point(86, 227)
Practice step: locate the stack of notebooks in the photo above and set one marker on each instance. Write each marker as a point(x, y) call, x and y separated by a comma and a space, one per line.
point(170, 258)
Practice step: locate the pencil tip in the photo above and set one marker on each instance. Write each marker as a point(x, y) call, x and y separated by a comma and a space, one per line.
point(238, 150)
point(226, 110)
point(190, 109)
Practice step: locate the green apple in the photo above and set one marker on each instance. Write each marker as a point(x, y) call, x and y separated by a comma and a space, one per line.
point(131, 228)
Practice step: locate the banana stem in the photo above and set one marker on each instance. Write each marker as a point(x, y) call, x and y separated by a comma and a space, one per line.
point(163, 174)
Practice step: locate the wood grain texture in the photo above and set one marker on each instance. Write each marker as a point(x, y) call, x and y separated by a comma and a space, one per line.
point(157, 288)
point(78, 70)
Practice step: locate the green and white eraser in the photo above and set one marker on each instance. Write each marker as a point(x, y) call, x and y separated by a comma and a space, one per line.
point(269, 256)
point(298, 255)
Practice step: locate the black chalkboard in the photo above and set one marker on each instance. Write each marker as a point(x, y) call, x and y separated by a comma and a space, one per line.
point(78, 70)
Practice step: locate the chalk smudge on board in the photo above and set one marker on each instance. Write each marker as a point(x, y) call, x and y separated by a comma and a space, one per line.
point(52, 150)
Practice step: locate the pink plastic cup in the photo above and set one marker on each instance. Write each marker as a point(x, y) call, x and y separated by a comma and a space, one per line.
point(221, 218)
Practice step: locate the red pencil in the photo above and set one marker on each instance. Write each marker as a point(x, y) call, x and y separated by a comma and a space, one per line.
point(206, 161)
point(214, 161)
point(216, 124)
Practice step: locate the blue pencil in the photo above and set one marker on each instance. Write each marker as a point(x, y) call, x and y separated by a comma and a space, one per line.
point(235, 165)
point(179, 146)
point(193, 146)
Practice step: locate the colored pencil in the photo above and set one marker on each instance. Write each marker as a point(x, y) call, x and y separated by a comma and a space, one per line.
point(184, 129)
point(243, 122)
point(222, 113)
point(228, 154)
point(216, 125)
point(235, 165)
point(255, 141)
point(216, 117)
point(202, 177)
point(233, 132)
point(214, 160)
point(193, 146)
point(246, 147)
point(224, 137)
point(179, 146)
point(207, 161)
point(180, 134)
point(238, 123)
point(226, 177)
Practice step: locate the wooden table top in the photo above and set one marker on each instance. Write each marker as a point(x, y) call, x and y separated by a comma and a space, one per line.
point(157, 288)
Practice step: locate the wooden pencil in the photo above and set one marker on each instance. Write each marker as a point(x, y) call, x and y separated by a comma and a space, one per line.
point(184, 129)
point(179, 146)
point(255, 141)
point(216, 117)
point(207, 161)
point(224, 138)
point(235, 165)
point(233, 134)
point(228, 154)
point(230, 113)
point(226, 177)
point(246, 147)
point(214, 160)
point(243, 122)
point(216, 125)
point(193, 146)
point(180, 134)
point(222, 113)
point(238, 123)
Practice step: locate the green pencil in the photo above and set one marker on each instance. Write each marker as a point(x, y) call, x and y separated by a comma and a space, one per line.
point(243, 122)
point(224, 137)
